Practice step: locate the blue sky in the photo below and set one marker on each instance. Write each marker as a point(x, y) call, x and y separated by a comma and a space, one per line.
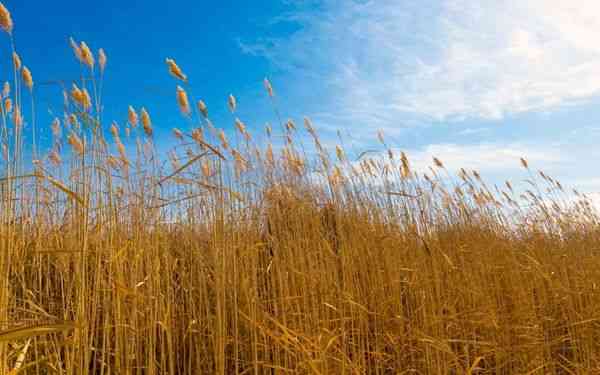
point(476, 83)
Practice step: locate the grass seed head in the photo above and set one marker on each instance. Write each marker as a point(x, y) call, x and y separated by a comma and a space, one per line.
point(240, 126)
point(114, 130)
point(87, 100)
point(223, 139)
point(232, 102)
point(132, 117)
point(8, 106)
point(269, 87)
point(102, 59)
point(16, 61)
point(177, 133)
point(17, 118)
point(76, 49)
point(198, 136)
point(54, 158)
point(146, 122)
point(183, 101)
point(202, 108)
point(76, 143)
point(175, 70)
point(87, 57)
point(27, 78)
point(6, 22)
point(121, 149)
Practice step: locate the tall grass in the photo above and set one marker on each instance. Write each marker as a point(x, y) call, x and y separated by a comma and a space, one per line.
point(247, 257)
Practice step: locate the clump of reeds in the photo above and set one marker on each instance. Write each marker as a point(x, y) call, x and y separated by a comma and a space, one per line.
point(284, 257)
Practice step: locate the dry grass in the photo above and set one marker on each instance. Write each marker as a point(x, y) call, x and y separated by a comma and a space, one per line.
point(243, 257)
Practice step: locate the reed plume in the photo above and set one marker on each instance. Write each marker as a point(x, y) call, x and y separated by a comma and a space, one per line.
point(87, 57)
point(175, 70)
point(132, 117)
point(8, 106)
point(76, 143)
point(6, 22)
point(27, 78)
point(146, 122)
point(102, 59)
point(202, 108)
point(232, 102)
point(16, 61)
point(182, 101)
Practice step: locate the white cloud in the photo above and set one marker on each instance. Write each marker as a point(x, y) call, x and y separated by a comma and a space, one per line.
point(488, 157)
point(382, 60)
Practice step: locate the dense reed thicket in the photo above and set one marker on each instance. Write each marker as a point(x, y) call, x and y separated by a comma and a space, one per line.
point(251, 258)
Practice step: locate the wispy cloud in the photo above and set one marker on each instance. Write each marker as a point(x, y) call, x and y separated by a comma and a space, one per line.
point(491, 157)
point(386, 60)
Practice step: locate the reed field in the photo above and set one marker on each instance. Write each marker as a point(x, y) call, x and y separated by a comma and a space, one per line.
point(240, 253)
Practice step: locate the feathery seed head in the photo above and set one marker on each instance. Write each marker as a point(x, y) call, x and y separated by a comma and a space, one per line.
point(177, 133)
point(102, 59)
point(76, 49)
point(113, 162)
point(290, 126)
point(405, 168)
point(146, 122)
point(87, 101)
point(269, 87)
point(524, 163)
point(198, 136)
point(202, 108)
point(309, 126)
point(16, 61)
point(121, 149)
point(175, 70)
point(232, 103)
point(54, 158)
point(182, 100)
point(87, 57)
point(240, 126)
point(76, 143)
point(339, 152)
point(269, 154)
point(8, 105)
point(223, 139)
point(77, 94)
point(114, 130)
point(6, 89)
point(6, 22)
point(17, 118)
point(132, 116)
point(27, 78)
